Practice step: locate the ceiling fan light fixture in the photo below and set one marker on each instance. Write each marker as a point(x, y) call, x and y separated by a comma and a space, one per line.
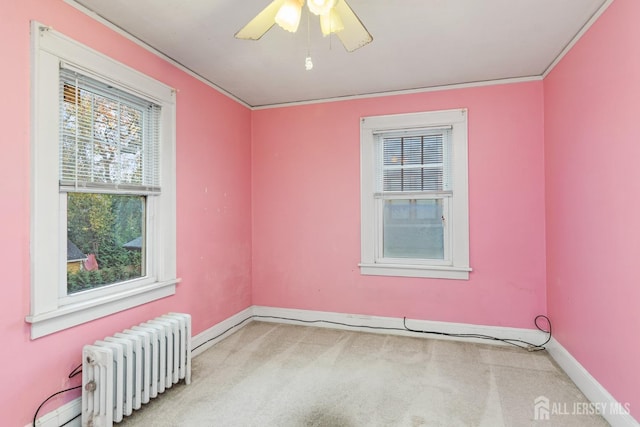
point(288, 16)
point(336, 17)
point(331, 23)
point(321, 7)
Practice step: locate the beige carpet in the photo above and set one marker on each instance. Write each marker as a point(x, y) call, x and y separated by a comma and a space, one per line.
point(282, 375)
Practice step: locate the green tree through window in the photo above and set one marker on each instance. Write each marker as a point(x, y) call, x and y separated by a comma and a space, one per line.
point(101, 225)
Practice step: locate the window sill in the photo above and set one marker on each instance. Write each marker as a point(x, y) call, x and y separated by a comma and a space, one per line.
point(404, 270)
point(75, 314)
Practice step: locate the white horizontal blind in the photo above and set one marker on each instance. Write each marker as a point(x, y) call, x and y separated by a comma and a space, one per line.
point(109, 139)
point(414, 161)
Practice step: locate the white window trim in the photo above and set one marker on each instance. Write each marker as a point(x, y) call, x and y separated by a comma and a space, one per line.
point(48, 314)
point(458, 267)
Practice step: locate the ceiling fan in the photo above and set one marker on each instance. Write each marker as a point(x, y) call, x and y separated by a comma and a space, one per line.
point(335, 17)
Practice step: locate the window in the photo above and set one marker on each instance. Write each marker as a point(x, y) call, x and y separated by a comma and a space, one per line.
point(414, 200)
point(103, 214)
point(108, 145)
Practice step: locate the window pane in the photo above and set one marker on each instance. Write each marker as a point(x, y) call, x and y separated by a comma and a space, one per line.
point(105, 239)
point(415, 163)
point(413, 229)
point(108, 136)
point(101, 138)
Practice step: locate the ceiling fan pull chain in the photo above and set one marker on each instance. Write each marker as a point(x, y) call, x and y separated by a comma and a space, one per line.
point(308, 63)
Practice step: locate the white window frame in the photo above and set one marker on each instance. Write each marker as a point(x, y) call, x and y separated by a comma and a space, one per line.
point(51, 310)
point(456, 264)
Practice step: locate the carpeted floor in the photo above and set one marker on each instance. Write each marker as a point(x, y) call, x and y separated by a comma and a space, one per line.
point(270, 374)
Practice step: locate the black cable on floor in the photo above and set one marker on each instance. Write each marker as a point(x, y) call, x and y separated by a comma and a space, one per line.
point(511, 341)
point(222, 333)
point(525, 345)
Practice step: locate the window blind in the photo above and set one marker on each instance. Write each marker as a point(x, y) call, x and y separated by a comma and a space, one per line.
point(414, 161)
point(109, 138)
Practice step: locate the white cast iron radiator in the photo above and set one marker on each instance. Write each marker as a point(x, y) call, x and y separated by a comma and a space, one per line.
point(123, 371)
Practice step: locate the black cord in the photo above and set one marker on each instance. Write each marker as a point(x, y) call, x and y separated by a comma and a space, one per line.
point(535, 322)
point(76, 371)
point(331, 322)
point(35, 416)
point(62, 425)
point(525, 345)
point(515, 342)
point(222, 333)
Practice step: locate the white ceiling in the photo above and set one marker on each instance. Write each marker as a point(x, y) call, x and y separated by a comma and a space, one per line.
point(416, 44)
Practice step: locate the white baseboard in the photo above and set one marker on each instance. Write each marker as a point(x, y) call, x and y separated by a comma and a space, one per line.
point(209, 337)
point(613, 411)
point(61, 415)
point(280, 315)
point(593, 390)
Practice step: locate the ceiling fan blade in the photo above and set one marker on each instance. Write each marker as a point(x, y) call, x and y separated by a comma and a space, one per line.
point(354, 35)
point(258, 26)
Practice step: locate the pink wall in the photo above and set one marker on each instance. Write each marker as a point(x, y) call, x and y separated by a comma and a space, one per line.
point(592, 105)
point(214, 205)
point(269, 210)
point(306, 204)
